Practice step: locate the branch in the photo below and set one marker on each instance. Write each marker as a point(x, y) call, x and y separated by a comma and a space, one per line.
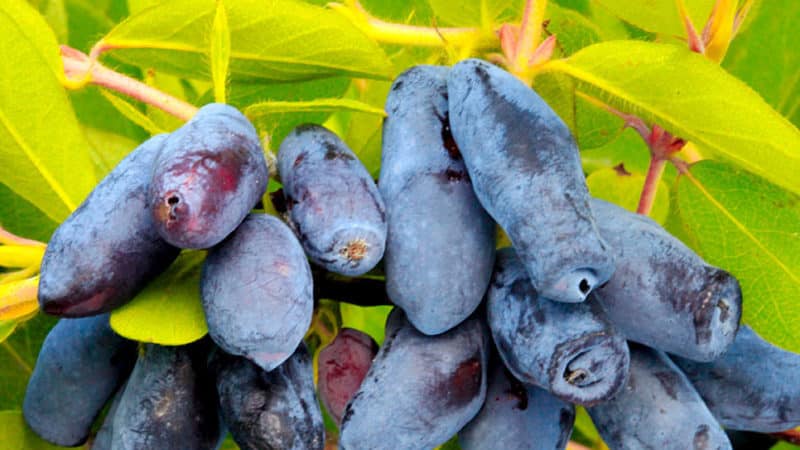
point(356, 291)
point(80, 70)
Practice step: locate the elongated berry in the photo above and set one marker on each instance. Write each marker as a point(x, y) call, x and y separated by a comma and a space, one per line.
point(526, 171)
point(569, 349)
point(518, 417)
point(332, 201)
point(420, 389)
point(663, 294)
point(275, 410)
point(210, 173)
point(107, 250)
point(753, 386)
point(81, 364)
point(440, 246)
point(257, 292)
point(658, 409)
point(169, 402)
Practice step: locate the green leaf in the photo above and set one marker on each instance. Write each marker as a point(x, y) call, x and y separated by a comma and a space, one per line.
point(55, 13)
point(45, 158)
point(131, 112)
point(168, 311)
point(94, 111)
point(27, 25)
point(268, 108)
point(693, 98)
point(277, 126)
point(136, 6)
point(20, 217)
point(7, 328)
point(18, 436)
point(573, 30)
point(18, 355)
point(109, 148)
point(484, 13)
point(751, 228)
point(584, 429)
point(272, 40)
point(660, 16)
point(765, 57)
point(370, 320)
point(220, 51)
point(619, 186)
point(86, 22)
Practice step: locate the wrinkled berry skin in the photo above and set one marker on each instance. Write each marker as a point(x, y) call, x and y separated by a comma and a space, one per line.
point(332, 201)
point(257, 292)
point(526, 172)
point(518, 417)
point(657, 409)
point(210, 173)
point(169, 402)
point(103, 254)
point(569, 349)
point(420, 389)
point(754, 386)
point(440, 246)
point(343, 364)
point(81, 364)
point(274, 410)
point(663, 295)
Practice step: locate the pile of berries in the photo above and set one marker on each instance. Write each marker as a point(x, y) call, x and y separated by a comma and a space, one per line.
point(592, 305)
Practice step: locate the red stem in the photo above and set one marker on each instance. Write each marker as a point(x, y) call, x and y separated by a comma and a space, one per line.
point(77, 66)
point(650, 188)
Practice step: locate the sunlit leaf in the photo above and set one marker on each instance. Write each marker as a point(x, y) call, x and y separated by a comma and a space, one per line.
point(660, 16)
point(693, 98)
point(765, 55)
point(52, 170)
point(472, 12)
point(276, 40)
point(168, 311)
point(750, 228)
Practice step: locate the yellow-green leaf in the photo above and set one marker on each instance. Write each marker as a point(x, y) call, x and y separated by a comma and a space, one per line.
point(220, 51)
point(18, 436)
point(168, 311)
point(484, 13)
point(660, 16)
point(259, 110)
point(44, 158)
point(370, 320)
point(275, 40)
point(751, 228)
point(764, 55)
point(693, 98)
point(131, 113)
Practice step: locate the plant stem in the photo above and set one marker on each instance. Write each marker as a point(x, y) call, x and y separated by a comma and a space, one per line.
point(79, 67)
point(650, 188)
point(356, 291)
point(401, 34)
